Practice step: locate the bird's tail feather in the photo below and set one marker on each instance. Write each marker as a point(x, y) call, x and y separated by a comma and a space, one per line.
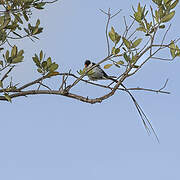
point(112, 78)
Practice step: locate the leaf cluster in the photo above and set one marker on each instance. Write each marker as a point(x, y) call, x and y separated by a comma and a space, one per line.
point(163, 14)
point(45, 67)
point(12, 57)
point(174, 50)
point(13, 16)
point(160, 15)
point(84, 71)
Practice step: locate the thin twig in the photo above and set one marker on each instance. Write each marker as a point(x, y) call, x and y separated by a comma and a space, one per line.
point(164, 85)
point(6, 74)
point(152, 15)
point(165, 34)
point(49, 2)
point(107, 38)
point(116, 14)
point(62, 84)
point(107, 25)
point(45, 86)
point(64, 79)
point(162, 59)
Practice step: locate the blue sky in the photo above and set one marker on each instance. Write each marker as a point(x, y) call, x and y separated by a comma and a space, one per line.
point(53, 137)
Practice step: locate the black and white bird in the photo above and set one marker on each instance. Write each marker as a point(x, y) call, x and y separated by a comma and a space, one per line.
point(97, 72)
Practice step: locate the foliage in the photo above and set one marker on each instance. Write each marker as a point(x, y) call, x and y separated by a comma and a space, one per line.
point(123, 50)
point(160, 16)
point(15, 24)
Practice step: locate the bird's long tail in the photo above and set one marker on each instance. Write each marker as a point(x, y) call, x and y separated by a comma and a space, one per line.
point(112, 78)
point(147, 124)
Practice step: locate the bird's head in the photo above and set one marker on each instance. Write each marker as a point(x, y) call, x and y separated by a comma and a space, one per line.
point(87, 63)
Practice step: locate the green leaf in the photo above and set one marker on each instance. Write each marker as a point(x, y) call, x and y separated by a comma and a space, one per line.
point(49, 62)
point(37, 23)
point(173, 5)
point(7, 54)
point(18, 18)
point(148, 25)
point(29, 26)
point(168, 3)
point(39, 30)
point(137, 17)
point(50, 74)
point(112, 34)
point(157, 16)
point(120, 62)
point(126, 42)
point(1, 63)
point(117, 51)
point(177, 51)
point(7, 19)
point(42, 3)
point(9, 60)
point(161, 12)
point(172, 49)
point(126, 57)
point(1, 20)
point(136, 43)
point(1, 84)
point(139, 14)
point(80, 72)
point(165, 1)
point(53, 67)
point(134, 58)
point(40, 70)
point(17, 59)
point(117, 38)
point(44, 64)
point(14, 51)
point(157, 1)
point(7, 97)
point(35, 30)
point(25, 16)
point(107, 66)
point(113, 50)
point(139, 8)
point(141, 28)
point(41, 55)
point(20, 53)
point(168, 17)
point(162, 26)
point(36, 60)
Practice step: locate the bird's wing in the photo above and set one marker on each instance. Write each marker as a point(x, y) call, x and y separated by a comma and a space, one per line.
point(100, 69)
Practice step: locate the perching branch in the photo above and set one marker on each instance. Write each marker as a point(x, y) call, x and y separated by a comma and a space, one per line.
point(130, 52)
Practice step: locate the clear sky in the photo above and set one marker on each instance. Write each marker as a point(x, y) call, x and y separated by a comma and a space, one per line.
point(53, 137)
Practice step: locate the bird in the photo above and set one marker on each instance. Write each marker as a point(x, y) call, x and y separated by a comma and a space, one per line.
point(97, 72)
